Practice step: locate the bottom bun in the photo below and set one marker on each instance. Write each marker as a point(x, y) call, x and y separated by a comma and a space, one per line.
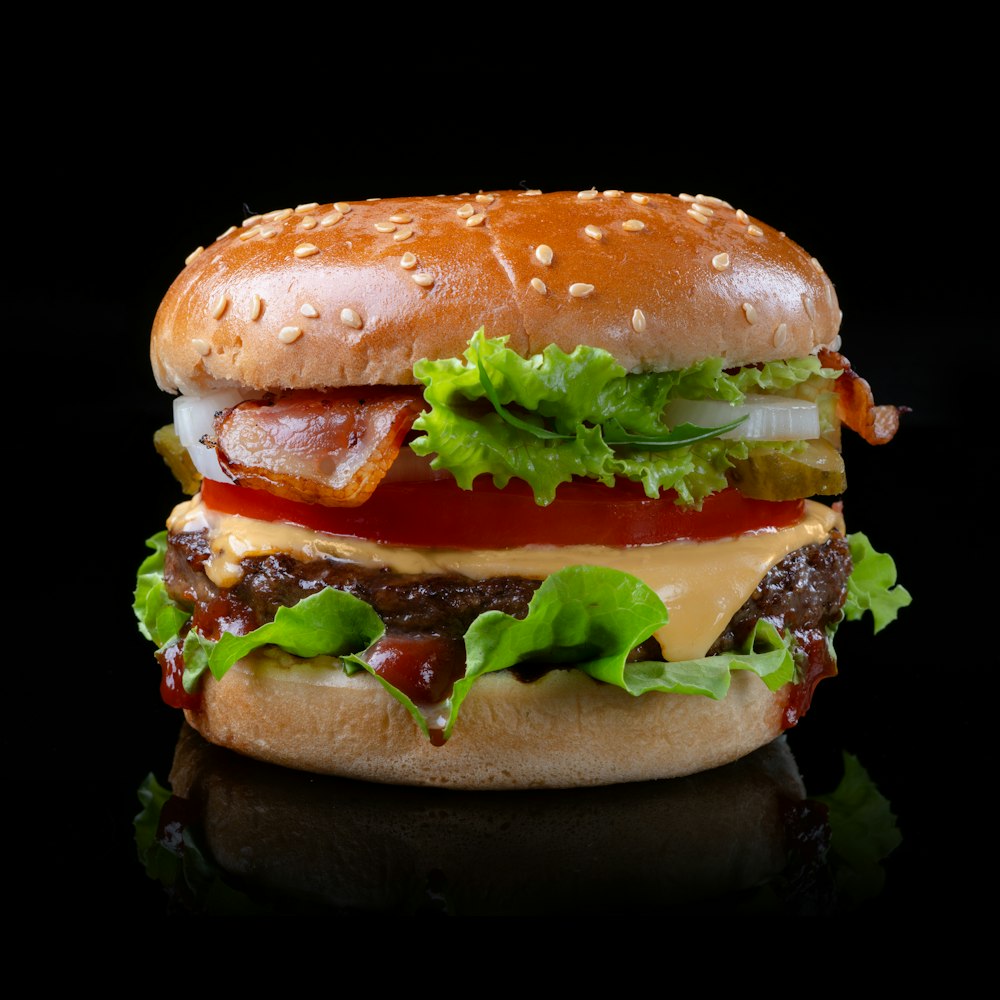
point(561, 731)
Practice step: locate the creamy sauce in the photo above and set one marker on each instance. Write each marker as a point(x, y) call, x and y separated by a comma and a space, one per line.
point(703, 584)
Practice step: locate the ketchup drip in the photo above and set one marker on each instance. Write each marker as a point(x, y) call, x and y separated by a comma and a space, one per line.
point(171, 661)
point(423, 667)
point(814, 664)
point(223, 614)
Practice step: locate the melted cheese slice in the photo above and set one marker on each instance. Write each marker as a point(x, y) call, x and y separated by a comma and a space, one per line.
point(703, 584)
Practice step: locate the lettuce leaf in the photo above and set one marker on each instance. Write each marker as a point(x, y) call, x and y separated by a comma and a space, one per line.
point(872, 585)
point(330, 622)
point(553, 416)
point(592, 617)
point(160, 618)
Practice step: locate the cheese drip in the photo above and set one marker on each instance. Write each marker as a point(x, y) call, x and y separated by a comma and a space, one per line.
point(702, 584)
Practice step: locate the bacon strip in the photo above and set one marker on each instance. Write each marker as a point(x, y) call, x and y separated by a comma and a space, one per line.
point(856, 403)
point(330, 448)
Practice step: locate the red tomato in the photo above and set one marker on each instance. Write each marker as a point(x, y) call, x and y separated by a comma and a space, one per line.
point(439, 513)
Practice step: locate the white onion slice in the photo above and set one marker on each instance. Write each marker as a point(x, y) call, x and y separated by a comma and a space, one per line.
point(769, 418)
point(194, 417)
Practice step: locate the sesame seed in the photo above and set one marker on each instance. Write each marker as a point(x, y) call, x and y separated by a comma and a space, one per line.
point(638, 321)
point(532, 192)
point(780, 334)
point(228, 232)
point(256, 307)
point(703, 208)
point(817, 266)
point(755, 231)
point(707, 199)
point(539, 285)
point(251, 221)
point(308, 222)
point(331, 218)
point(194, 253)
point(587, 195)
point(720, 261)
point(543, 254)
point(750, 313)
point(686, 197)
point(485, 199)
point(633, 225)
point(289, 334)
point(278, 215)
point(269, 231)
point(829, 295)
point(475, 220)
point(403, 234)
point(695, 214)
point(423, 278)
point(248, 233)
point(580, 289)
point(400, 218)
point(408, 261)
point(308, 309)
point(465, 211)
point(594, 233)
point(350, 318)
point(742, 216)
point(219, 306)
point(305, 250)
point(342, 207)
point(809, 306)
point(385, 227)
point(641, 199)
point(309, 207)
point(201, 346)
point(613, 193)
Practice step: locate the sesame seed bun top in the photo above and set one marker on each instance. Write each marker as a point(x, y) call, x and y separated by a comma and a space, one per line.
point(355, 293)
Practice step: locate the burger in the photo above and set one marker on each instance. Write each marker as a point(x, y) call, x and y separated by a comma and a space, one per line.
point(505, 490)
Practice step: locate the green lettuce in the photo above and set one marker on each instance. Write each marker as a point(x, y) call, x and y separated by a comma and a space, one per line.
point(160, 618)
point(553, 416)
point(872, 585)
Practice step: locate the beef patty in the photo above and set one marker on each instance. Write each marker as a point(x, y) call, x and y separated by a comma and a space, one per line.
point(804, 591)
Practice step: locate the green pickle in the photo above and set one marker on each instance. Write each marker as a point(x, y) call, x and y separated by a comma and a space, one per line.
point(168, 446)
point(815, 469)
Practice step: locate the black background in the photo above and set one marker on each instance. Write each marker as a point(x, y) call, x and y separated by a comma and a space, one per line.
point(887, 195)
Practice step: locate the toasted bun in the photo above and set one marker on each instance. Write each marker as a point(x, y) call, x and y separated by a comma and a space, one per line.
point(563, 730)
point(355, 294)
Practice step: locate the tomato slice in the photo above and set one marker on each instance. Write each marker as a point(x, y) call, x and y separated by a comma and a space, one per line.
point(439, 513)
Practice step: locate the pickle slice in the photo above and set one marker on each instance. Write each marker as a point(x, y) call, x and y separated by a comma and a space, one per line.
point(169, 448)
point(816, 469)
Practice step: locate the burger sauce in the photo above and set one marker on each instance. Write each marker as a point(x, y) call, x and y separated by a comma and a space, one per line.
point(814, 662)
point(171, 661)
point(424, 668)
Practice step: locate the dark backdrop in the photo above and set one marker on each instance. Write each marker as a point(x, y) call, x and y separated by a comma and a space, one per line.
point(888, 204)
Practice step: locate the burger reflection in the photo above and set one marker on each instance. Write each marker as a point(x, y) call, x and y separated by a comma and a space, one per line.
point(233, 835)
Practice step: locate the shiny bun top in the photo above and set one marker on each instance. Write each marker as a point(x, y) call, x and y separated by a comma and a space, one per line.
point(355, 293)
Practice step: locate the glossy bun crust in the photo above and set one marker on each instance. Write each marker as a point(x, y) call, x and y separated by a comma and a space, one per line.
point(563, 730)
point(353, 294)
